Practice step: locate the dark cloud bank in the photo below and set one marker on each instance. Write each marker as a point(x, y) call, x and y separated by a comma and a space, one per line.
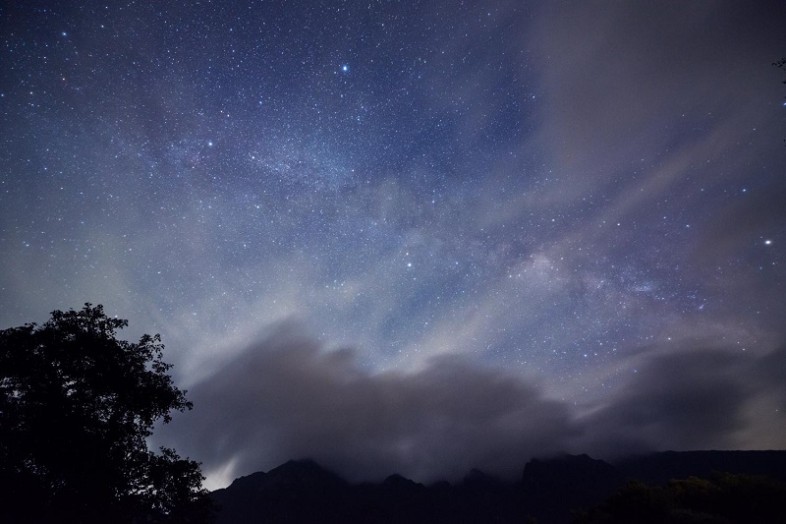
point(287, 397)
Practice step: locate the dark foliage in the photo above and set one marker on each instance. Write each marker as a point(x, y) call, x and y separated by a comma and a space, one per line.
point(781, 64)
point(659, 468)
point(720, 499)
point(76, 405)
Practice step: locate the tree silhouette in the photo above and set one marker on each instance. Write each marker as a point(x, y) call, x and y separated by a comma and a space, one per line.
point(723, 498)
point(781, 64)
point(76, 407)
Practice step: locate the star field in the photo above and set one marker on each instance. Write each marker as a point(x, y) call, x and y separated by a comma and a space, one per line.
point(562, 191)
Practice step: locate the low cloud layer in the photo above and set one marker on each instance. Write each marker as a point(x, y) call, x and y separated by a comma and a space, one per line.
point(287, 397)
point(687, 400)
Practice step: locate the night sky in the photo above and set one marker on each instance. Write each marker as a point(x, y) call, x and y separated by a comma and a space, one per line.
point(412, 237)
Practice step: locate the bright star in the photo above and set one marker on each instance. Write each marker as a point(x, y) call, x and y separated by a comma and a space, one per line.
point(345, 68)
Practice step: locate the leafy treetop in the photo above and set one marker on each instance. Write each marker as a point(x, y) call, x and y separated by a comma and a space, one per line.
point(76, 407)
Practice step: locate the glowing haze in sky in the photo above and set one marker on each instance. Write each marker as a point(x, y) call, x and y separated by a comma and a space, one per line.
point(412, 236)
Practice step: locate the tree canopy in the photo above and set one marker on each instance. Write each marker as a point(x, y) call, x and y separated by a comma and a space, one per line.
point(76, 408)
point(724, 498)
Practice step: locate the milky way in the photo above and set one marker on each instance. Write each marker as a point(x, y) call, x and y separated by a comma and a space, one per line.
point(568, 196)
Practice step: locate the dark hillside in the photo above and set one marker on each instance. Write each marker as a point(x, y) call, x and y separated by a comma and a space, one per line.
point(550, 490)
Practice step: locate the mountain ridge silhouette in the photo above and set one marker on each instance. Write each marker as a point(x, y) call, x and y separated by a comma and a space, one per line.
point(549, 489)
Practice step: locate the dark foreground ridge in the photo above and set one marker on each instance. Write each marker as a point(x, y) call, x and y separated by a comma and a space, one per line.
point(549, 491)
